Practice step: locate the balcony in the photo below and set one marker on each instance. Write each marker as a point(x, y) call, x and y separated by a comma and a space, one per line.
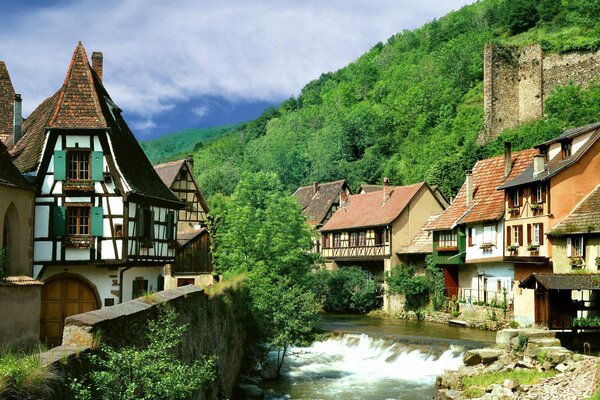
point(377, 251)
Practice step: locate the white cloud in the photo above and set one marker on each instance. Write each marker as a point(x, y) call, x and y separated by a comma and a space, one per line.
point(200, 111)
point(158, 53)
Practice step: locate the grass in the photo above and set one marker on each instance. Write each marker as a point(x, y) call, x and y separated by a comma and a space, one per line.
point(220, 287)
point(475, 385)
point(23, 376)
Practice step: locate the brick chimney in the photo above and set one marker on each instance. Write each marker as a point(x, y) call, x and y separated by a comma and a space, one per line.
point(17, 119)
point(507, 159)
point(97, 59)
point(315, 187)
point(469, 194)
point(190, 160)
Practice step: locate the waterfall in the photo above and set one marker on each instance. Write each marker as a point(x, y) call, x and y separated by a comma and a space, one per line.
point(358, 366)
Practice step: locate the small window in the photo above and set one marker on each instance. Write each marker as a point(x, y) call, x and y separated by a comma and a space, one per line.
point(379, 236)
point(517, 235)
point(516, 195)
point(488, 234)
point(336, 240)
point(362, 238)
point(448, 240)
point(78, 221)
point(139, 287)
point(575, 247)
point(566, 149)
point(539, 194)
point(353, 239)
point(118, 230)
point(325, 240)
point(78, 165)
point(536, 234)
point(473, 236)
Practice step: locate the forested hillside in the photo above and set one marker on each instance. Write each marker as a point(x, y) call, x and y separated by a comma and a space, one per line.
point(178, 144)
point(411, 108)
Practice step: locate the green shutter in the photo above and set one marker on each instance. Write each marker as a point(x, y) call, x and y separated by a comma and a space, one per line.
point(140, 223)
point(58, 220)
point(151, 225)
point(170, 223)
point(97, 166)
point(60, 165)
point(97, 221)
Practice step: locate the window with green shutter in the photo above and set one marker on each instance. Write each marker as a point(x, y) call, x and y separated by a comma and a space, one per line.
point(97, 221)
point(60, 165)
point(170, 224)
point(97, 166)
point(59, 223)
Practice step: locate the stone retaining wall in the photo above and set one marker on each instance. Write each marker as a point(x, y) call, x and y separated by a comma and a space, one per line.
point(216, 326)
point(21, 299)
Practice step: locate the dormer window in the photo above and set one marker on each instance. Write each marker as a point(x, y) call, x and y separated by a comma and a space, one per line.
point(565, 148)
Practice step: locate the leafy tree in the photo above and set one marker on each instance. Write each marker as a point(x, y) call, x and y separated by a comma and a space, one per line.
point(151, 372)
point(262, 233)
point(346, 289)
point(415, 288)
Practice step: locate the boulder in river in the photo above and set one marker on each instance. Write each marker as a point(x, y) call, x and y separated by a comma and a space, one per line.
point(485, 356)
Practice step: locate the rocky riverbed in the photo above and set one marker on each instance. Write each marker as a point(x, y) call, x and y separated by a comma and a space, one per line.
point(564, 375)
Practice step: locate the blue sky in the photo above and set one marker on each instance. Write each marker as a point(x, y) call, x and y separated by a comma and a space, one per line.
point(197, 63)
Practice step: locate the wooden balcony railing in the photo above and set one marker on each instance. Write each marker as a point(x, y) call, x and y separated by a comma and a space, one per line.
point(358, 251)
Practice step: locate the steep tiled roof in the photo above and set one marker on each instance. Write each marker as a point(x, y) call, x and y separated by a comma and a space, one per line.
point(82, 102)
point(563, 281)
point(7, 97)
point(316, 205)
point(488, 203)
point(167, 172)
point(557, 163)
point(585, 218)
point(9, 174)
point(369, 209)
point(422, 243)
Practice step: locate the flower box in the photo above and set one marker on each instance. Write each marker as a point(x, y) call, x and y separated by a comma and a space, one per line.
point(79, 185)
point(576, 262)
point(536, 207)
point(533, 247)
point(486, 246)
point(513, 210)
point(512, 248)
point(77, 241)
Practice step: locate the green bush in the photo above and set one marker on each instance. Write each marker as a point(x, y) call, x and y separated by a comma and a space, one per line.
point(416, 288)
point(25, 377)
point(586, 321)
point(346, 289)
point(146, 372)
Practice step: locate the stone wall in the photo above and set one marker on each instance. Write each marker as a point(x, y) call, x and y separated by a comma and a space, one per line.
point(217, 326)
point(518, 80)
point(21, 299)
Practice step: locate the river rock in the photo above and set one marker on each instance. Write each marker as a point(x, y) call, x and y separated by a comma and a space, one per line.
point(452, 394)
point(465, 370)
point(486, 356)
point(554, 355)
point(449, 380)
point(512, 384)
point(561, 367)
point(500, 393)
point(504, 337)
point(536, 343)
point(251, 391)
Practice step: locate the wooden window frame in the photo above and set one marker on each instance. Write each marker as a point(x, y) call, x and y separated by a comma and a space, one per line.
point(539, 193)
point(516, 197)
point(118, 230)
point(566, 149)
point(76, 175)
point(78, 218)
point(353, 239)
point(448, 240)
point(362, 238)
point(337, 240)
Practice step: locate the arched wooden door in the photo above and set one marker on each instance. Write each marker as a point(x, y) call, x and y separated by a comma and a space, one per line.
point(63, 296)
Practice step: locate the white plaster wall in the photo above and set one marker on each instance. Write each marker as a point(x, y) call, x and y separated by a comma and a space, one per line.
point(42, 251)
point(78, 141)
point(475, 252)
point(524, 303)
point(42, 221)
point(75, 254)
point(149, 273)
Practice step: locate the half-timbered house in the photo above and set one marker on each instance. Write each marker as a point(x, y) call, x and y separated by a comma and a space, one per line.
point(105, 224)
point(193, 260)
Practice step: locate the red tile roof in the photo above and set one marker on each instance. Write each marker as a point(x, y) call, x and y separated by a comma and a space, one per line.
point(9, 174)
point(7, 97)
point(82, 102)
point(369, 209)
point(488, 202)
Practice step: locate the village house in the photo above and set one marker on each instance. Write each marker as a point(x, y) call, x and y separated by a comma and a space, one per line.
point(369, 229)
point(193, 260)
point(468, 238)
point(319, 202)
point(105, 224)
point(565, 171)
point(369, 188)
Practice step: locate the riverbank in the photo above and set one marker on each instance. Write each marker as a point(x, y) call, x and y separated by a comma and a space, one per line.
point(523, 364)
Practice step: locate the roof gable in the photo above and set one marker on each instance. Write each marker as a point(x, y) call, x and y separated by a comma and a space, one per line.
point(168, 173)
point(9, 174)
point(316, 205)
point(369, 209)
point(488, 202)
point(585, 217)
point(7, 97)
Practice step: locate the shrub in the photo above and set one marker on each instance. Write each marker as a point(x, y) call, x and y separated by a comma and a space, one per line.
point(150, 372)
point(416, 288)
point(346, 289)
point(24, 377)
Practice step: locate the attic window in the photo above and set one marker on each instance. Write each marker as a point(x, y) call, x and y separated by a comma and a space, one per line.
point(112, 107)
point(565, 148)
point(78, 165)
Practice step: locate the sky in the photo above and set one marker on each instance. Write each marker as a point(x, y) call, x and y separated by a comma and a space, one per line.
point(180, 64)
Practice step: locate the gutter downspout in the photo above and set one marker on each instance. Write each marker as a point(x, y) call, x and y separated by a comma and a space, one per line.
point(121, 283)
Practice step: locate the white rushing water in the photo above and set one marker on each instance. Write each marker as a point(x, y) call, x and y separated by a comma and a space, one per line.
point(357, 366)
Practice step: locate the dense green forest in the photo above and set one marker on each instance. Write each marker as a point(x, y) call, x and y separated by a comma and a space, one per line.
point(411, 108)
point(177, 145)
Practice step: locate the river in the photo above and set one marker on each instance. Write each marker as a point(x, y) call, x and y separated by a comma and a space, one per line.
point(370, 358)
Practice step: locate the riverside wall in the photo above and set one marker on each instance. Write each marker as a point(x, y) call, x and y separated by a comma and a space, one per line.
point(216, 326)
